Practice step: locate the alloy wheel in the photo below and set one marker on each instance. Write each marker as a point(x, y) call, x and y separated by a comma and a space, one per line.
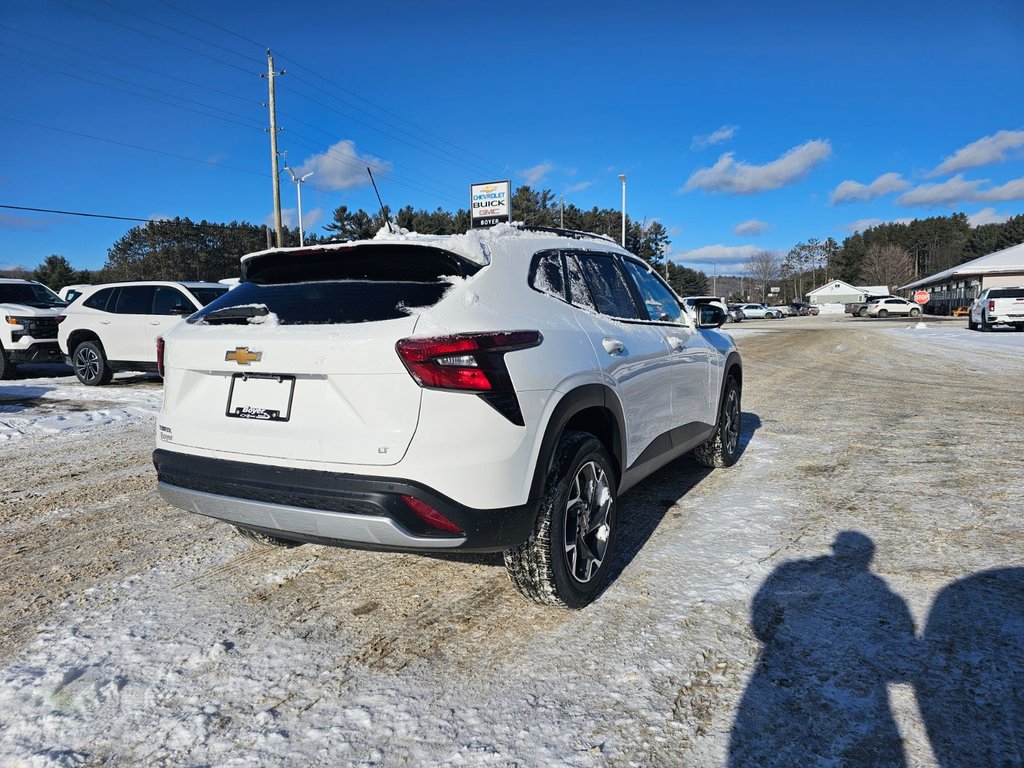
point(87, 364)
point(587, 527)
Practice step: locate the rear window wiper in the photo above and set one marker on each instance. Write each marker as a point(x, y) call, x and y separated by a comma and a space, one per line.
point(235, 314)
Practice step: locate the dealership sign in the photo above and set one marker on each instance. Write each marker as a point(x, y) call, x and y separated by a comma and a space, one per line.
point(490, 203)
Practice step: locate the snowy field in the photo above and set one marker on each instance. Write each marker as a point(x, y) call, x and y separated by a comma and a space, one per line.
point(851, 593)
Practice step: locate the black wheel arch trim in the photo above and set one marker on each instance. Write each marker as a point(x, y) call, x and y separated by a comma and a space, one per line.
point(573, 403)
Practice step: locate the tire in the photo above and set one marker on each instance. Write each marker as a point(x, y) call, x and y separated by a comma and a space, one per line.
point(862, 312)
point(90, 364)
point(723, 447)
point(971, 325)
point(985, 324)
point(266, 538)
point(579, 489)
point(7, 368)
point(915, 313)
point(883, 313)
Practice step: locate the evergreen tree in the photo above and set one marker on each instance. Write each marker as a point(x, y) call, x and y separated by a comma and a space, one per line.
point(55, 272)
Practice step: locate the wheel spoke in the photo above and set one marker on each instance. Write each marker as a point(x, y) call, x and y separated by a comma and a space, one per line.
point(586, 523)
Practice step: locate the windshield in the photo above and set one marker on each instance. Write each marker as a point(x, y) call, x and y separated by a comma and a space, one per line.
point(29, 294)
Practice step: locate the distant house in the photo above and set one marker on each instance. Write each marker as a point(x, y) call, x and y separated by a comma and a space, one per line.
point(839, 292)
point(960, 285)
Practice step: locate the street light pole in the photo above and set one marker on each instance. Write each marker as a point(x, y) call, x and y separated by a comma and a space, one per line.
point(622, 178)
point(298, 191)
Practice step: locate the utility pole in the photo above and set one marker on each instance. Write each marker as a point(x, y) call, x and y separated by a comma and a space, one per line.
point(270, 75)
point(561, 213)
point(622, 178)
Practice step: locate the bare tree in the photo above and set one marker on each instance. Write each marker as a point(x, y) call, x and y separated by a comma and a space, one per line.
point(888, 265)
point(764, 267)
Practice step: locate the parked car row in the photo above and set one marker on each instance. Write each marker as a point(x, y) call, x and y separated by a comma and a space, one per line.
point(105, 328)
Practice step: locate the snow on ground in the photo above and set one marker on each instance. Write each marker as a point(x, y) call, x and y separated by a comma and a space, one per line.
point(57, 402)
point(742, 625)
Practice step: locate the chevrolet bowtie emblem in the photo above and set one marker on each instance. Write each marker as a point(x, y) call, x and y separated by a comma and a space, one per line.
point(243, 356)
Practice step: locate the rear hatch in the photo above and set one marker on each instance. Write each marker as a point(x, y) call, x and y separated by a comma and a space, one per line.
point(298, 363)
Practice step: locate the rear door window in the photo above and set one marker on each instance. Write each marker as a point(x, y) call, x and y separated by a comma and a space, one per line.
point(135, 300)
point(608, 286)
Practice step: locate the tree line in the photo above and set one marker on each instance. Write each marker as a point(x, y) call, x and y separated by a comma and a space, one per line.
point(890, 254)
point(181, 249)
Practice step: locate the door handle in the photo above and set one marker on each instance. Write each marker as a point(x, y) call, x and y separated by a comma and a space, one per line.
point(676, 342)
point(104, 322)
point(612, 346)
point(154, 322)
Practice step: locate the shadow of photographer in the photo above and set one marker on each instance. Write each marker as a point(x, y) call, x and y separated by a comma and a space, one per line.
point(834, 636)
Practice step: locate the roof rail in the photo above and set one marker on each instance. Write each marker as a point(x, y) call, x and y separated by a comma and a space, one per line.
point(574, 233)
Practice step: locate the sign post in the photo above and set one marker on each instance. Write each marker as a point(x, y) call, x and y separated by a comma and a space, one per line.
point(490, 203)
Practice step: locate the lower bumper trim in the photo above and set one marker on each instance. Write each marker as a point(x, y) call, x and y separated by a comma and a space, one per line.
point(338, 526)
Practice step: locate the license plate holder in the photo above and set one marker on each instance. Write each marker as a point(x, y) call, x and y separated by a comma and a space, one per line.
point(260, 397)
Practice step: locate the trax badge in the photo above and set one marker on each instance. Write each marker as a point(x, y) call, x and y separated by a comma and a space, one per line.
point(243, 356)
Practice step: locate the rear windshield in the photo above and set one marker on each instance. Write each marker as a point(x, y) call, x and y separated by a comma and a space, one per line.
point(353, 285)
point(1007, 293)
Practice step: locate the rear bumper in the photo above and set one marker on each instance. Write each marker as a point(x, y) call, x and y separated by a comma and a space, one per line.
point(38, 352)
point(332, 508)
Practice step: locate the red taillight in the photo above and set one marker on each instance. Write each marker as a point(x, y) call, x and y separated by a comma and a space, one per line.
point(431, 516)
point(470, 362)
point(991, 305)
point(160, 355)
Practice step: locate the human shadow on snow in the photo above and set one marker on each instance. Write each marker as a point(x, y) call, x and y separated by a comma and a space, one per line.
point(834, 636)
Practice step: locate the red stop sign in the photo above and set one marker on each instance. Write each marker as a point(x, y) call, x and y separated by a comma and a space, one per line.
point(921, 297)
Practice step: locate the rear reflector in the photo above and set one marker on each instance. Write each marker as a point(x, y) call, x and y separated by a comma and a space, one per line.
point(431, 516)
point(471, 362)
point(160, 356)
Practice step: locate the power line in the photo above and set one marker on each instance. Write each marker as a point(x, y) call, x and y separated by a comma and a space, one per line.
point(122, 218)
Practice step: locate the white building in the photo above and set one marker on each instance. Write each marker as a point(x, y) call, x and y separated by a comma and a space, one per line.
point(839, 292)
point(960, 285)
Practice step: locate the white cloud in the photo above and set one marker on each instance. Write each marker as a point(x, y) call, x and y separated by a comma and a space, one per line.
point(741, 178)
point(159, 217)
point(861, 224)
point(986, 216)
point(342, 167)
point(724, 133)
point(26, 223)
point(578, 187)
point(947, 193)
point(1011, 190)
point(536, 174)
point(849, 191)
point(730, 255)
point(960, 190)
point(984, 151)
point(290, 218)
point(751, 228)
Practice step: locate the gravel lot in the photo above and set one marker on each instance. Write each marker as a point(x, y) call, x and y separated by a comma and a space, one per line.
point(850, 593)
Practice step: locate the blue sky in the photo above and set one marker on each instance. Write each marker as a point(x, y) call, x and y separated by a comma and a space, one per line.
point(739, 126)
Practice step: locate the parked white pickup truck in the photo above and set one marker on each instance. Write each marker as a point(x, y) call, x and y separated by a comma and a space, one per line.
point(998, 306)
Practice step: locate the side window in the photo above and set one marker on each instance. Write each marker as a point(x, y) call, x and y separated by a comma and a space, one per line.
point(135, 300)
point(98, 300)
point(659, 302)
point(166, 298)
point(608, 286)
point(546, 275)
point(579, 293)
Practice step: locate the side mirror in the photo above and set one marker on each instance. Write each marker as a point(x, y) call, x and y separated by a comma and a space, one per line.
point(710, 316)
point(182, 310)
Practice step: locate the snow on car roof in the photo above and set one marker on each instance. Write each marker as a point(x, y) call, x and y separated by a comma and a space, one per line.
point(474, 246)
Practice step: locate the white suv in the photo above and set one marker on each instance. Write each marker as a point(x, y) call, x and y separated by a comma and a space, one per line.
point(115, 326)
point(30, 313)
point(893, 306)
point(494, 391)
